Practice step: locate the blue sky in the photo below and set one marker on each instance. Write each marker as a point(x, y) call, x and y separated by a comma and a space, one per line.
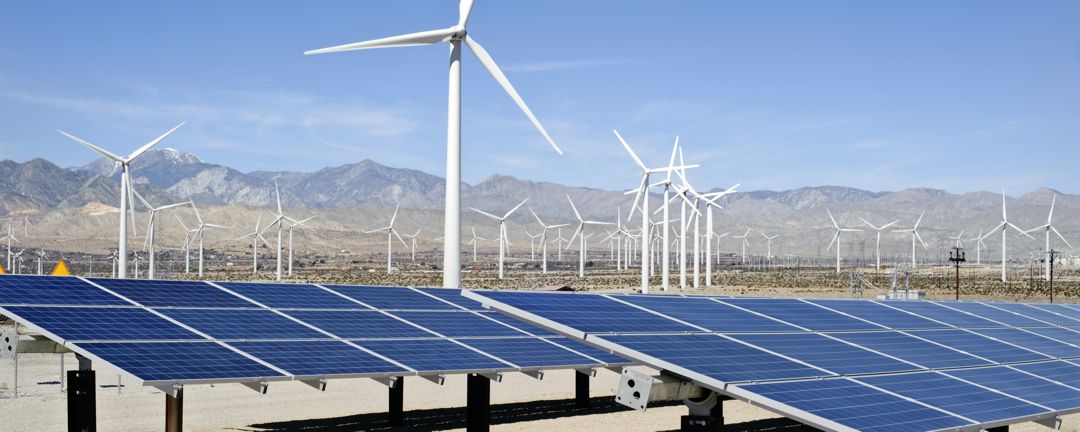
point(959, 95)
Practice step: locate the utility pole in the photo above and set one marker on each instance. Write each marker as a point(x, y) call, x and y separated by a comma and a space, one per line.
point(1051, 253)
point(956, 255)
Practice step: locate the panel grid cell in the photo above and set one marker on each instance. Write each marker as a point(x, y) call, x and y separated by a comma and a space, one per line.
point(179, 361)
point(980, 345)
point(437, 355)
point(589, 313)
point(100, 324)
point(881, 315)
point(1034, 342)
point(242, 324)
point(707, 313)
point(803, 314)
point(1022, 385)
point(955, 396)
point(159, 293)
point(825, 353)
point(995, 314)
point(453, 296)
point(291, 295)
point(318, 358)
point(359, 324)
point(912, 349)
point(1036, 313)
point(529, 352)
point(458, 324)
point(391, 298)
point(941, 313)
point(53, 290)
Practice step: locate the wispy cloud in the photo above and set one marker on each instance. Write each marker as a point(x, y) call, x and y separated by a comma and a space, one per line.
point(563, 65)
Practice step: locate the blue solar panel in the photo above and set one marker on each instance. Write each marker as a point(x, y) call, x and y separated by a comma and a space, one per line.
point(1059, 333)
point(716, 357)
point(1032, 342)
point(707, 313)
point(453, 296)
point(803, 314)
point(955, 396)
point(1022, 385)
point(995, 314)
point(604, 356)
point(825, 353)
point(436, 355)
point(159, 293)
point(242, 324)
point(291, 295)
point(53, 290)
point(179, 361)
point(359, 324)
point(521, 325)
point(1036, 313)
point(1059, 309)
point(529, 352)
point(941, 313)
point(980, 346)
point(319, 358)
point(588, 313)
point(857, 406)
point(85, 323)
point(391, 298)
point(912, 349)
point(458, 324)
point(878, 314)
point(1067, 373)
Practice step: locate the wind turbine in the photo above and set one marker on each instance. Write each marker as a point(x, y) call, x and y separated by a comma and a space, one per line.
point(41, 256)
point(475, 239)
point(978, 239)
point(710, 203)
point(1048, 227)
point(150, 231)
point(1003, 227)
point(836, 238)
point(412, 243)
point(543, 239)
point(255, 236)
point(580, 232)
point(745, 243)
point(532, 244)
point(198, 232)
point(292, 225)
point(455, 36)
point(957, 239)
point(187, 244)
point(10, 237)
point(123, 164)
point(768, 243)
point(502, 231)
point(877, 244)
point(390, 234)
point(914, 230)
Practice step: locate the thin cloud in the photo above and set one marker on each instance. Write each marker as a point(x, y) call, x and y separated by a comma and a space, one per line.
point(563, 65)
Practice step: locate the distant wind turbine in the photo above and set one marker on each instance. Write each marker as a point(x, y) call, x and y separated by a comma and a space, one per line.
point(390, 234)
point(199, 233)
point(836, 238)
point(768, 243)
point(255, 237)
point(474, 241)
point(580, 232)
point(914, 230)
point(877, 243)
point(293, 225)
point(543, 239)
point(1048, 227)
point(503, 234)
point(1003, 227)
point(745, 243)
point(150, 228)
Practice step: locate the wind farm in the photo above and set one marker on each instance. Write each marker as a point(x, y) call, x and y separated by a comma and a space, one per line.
point(332, 225)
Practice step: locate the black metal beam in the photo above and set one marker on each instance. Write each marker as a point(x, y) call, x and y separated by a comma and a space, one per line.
point(396, 412)
point(581, 389)
point(82, 401)
point(174, 411)
point(478, 410)
point(998, 429)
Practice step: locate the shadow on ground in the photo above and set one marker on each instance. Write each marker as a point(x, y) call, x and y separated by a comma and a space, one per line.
point(451, 418)
point(766, 425)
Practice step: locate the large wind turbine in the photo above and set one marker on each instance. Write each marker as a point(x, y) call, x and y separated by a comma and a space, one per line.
point(768, 244)
point(293, 225)
point(1004, 226)
point(150, 231)
point(10, 237)
point(1048, 227)
point(390, 234)
point(914, 230)
point(454, 36)
point(412, 243)
point(123, 164)
point(198, 233)
point(580, 232)
point(877, 244)
point(710, 203)
point(502, 231)
point(836, 238)
point(543, 239)
point(255, 237)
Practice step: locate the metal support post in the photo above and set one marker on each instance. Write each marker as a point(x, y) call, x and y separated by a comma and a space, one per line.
point(82, 403)
point(396, 413)
point(174, 411)
point(478, 410)
point(1004, 428)
point(581, 389)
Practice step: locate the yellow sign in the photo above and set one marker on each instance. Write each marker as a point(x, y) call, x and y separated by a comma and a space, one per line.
point(61, 269)
point(2, 271)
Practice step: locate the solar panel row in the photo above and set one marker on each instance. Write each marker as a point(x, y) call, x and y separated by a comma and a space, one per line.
point(840, 364)
point(184, 331)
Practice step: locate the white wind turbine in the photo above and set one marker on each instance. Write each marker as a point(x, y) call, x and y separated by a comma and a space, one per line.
point(198, 232)
point(957, 239)
point(10, 237)
point(1003, 227)
point(543, 239)
point(745, 243)
point(979, 245)
point(503, 234)
point(187, 245)
point(123, 164)
point(836, 238)
point(877, 244)
point(914, 230)
point(150, 228)
point(255, 237)
point(532, 244)
point(455, 36)
point(293, 225)
point(718, 237)
point(474, 241)
point(711, 202)
point(768, 243)
point(1048, 227)
point(580, 232)
point(41, 256)
point(390, 234)
point(412, 243)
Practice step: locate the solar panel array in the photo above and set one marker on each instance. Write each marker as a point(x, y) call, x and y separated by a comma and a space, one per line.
point(168, 332)
point(840, 364)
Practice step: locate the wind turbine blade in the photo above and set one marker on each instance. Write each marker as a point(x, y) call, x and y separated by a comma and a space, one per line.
point(464, 10)
point(277, 195)
point(671, 162)
point(890, 224)
point(171, 206)
point(633, 155)
point(837, 226)
point(919, 219)
point(182, 223)
point(484, 213)
point(1003, 215)
point(574, 208)
point(834, 237)
point(298, 223)
point(871, 225)
point(394, 217)
point(1050, 217)
point(492, 68)
point(215, 226)
point(95, 148)
point(920, 239)
point(399, 238)
point(143, 200)
point(515, 209)
point(1020, 230)
point(1061, 237)
point(637, 197)
point(412, 39)
point(135, 154)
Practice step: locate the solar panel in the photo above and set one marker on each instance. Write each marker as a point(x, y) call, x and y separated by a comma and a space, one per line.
point(857, 406)
point(879, 314)
point(604, 356)
point(452, 295)
point(179, 361)
point(912, 349)
point(359, 324)
point(803, 314)
point(717, 357)
point(1023, 385)
point(707, 313)
point(434, 355)
point(1034, 342)
point(979, 345)
point(54, 290)
point(955, 396)
point(941, 313)
point(1059, 309)
point(242, 324)
point(995, 314)
point(529, 352)
point(829, 354)
point(521, 325)
point(458, 324)
point(1036, 313)
point(319, 358)
point(157, 293)
point(100, 324)
point(1062, 334)
point(390, 298)
point(591, 314)
point(289, 296)
point(1067, 373)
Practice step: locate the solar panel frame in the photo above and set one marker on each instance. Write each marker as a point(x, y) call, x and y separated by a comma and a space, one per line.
point(986, 311)
point(938, 312)
point(825, 352)
point(1027, 385)
point(803, 314)
point(706, 313)
point(885, 316)
point(299, 296)
point(956, 396)
point(1035, 313)
point(72, 324)
point(56, 287)
point(171, 293)
point(913, 349)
